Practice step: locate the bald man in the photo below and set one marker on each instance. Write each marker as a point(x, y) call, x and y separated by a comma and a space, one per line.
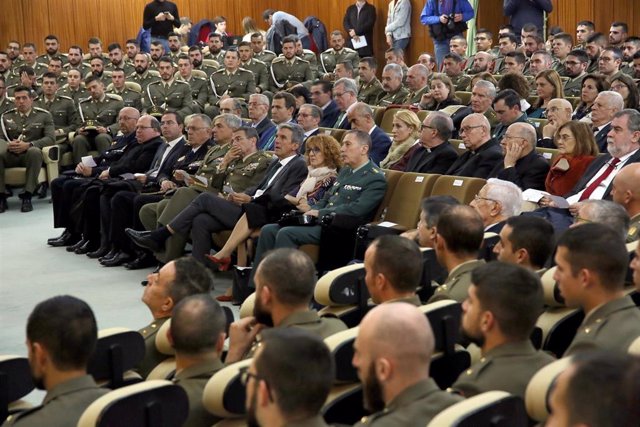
point(392, 354)
point(521, 165)
point(558, 113)
point(626, 192)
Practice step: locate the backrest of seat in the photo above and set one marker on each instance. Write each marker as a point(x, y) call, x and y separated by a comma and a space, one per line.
point(536, 395)
point(246, 309)
point(548, 153)
point(551, 291)
point(378, 114)
point(422, 114)
point(464, 97)
point(559, 326)
point(451, 109)
point(634, 348)
point(444, 317)
point(341, 347)
point(117, 351)
point(386, 124)
point(148, 404)
point(135, 86)
point(224, 394)
point(340, 287)
point(458, 145)
point(162, 339)
point(492, 408)
point(431, 271)
point(462, 188)
point(445, 368)
point(15, 381)
point(538, 124)
point(392, 177)
point(404, 206)
point(344, 405)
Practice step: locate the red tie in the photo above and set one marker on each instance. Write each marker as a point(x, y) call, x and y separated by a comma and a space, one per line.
point(591, 188)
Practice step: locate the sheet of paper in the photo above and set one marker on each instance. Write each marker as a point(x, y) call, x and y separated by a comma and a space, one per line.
point(360, 43)
point(387, 224)
point(228, 189)
point(203, 180)
point(127, 176)
point(531, 195)
point(88, 161)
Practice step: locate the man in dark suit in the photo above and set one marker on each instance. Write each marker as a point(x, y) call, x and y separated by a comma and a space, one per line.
point(483, 152)
point(507, 108)
point(309, 117)
point(358, 22)
point(258, 113)
point(604, 107)
point(482, 96)
point(345, 94)
point(522, 165)
point(435, 155)
point(209, 213)
point(360, 117)
point(321, 96)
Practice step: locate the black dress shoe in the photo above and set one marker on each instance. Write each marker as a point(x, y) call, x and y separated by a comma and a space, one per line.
point(143, 239)
point(102, 251)
point(26, 205)
point(68, 240)
point(113, 252)
point(86, 248)
point(3, 204)
point(64, 234)
point(119, 259)
point(145, 260)
point(80, 243)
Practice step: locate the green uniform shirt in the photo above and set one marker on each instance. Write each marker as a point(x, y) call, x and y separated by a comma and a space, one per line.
point(143, 79)
point(77, 95)
point(330, 57)
point(461, 82)
point(260, 72)
point(634, 229)
point(265, 56)
point(209, 167)
point(64, 112)
point(242, 173)
point(37, 127)
point(415, 97)
point(174, 96)
point(199, 92)
point(392, 98)
point(285, 74)
point(458, 281)
point(45, 58)
point(369, 92)
point(573, 87)
point(130, 98)
point(152, 357)
point(239, 84)
point(105, 111)
point(193, 380)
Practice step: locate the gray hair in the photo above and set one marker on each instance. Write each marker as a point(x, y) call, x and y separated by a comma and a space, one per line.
point(507, 193)
point(442, 123)
point(231, 120)
point(608, 213)
point(361, 109)
point(526, 131)
point(206, 119)
point(348, 84)
point(421, 70)
point(316, 111)
point(483, 84)
point(297, 133)
point(362, 138)
point(613, 99)
point(395, 69)
point(262, 99)
point(633, 118)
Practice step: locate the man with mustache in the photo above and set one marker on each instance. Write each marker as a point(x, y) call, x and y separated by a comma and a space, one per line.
point(394, 92)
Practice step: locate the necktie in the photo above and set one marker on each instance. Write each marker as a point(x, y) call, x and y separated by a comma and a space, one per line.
point(339, 120)
point(591, 188)
point(270, 177)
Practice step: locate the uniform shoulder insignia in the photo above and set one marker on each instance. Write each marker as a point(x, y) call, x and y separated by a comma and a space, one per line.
point(65, 97)
point(181, 82)
point(278, 59)
point(260, 62)
point(349, 50)
point(155, 82)
point(84, 100)
point(268, 51)
point(309, 51)
point(13, 110)
point(221, 70)
point(113, 96)
point(302, 60)
point(42, 110)
point(198, 78)
point(244, 70)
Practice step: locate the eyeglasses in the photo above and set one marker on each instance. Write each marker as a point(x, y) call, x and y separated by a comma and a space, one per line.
point(244, 379)
point(468, 128)
point(423, 127)
point(304, 115)
point(338, 95)
point(195, 128)
point(478, 198)
point(618, 87)
point(507, 136)
point(314, 150)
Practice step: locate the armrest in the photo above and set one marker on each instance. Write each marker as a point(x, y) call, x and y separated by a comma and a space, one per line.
point(51, 154)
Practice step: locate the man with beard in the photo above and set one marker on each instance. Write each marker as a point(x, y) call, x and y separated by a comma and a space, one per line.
point(175, 46)
point(595, 44)
point(499, 315)
point(132, 48)
point(259, 51)
point(575, 67)
point(288, 380)
point(130, 98)
point(167, 94)
point(285, 280)
point(29, 54)
point(6, 63)
point(258, 68)
point(142, 75)
point(392, 354)
point(629, 48)
point(116, 59)
point(215, 44)
point(394, 93)
point(288, 70)
point(74, 58)
point(337, 53)
point(198, 85)
point(195, 56)
point(61, 337)
point(156, 52)
point(97, 71)
point(229, 82)
point(51, 45)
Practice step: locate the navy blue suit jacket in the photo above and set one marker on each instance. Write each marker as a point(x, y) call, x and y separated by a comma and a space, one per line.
point(330, 115)
point(380, 143)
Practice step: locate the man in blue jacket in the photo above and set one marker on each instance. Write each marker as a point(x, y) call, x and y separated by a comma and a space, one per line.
point(445, 18)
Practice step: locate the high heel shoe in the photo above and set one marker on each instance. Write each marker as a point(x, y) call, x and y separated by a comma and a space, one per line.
point(223, 263)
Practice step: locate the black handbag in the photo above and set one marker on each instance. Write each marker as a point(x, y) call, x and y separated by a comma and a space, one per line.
point(296, 218)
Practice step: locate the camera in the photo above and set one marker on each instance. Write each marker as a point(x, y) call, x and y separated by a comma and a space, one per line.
point(451, 24)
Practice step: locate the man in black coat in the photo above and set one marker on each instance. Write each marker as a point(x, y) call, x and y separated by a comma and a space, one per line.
point(435, 154)
point(358, 22)
point(483, 152)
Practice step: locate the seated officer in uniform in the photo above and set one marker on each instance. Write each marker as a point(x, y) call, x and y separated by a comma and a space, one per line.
point(197, 335)
point(288, 380)
point(393, 268)
point(167, 94)
point(591, 266)
point(394, 92)
point(288, 70)
point(499, 315)
point(392, 354)
point(459, 233)
point(61, 337)
point(526, 241)
point(626, 192)
point(171, 284)
point(285, 281)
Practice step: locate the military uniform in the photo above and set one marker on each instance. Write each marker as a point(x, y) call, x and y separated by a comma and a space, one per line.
point(330, 57)
point(152, 357)
point(392, 98)
point(36, 128)
point(369, 92)
point(62, 406)
point(174, 96)
point(105, 77)
point(6, 104)
point(45, 58)
point(143, 79)
point(207, 69)
point(573, 87)
point(127, 67)
point(458, 281)
point(104, 113)
point(76, 95)
point(130, 98)
point(413, 300)
point(218, 57)
point(415, 97)
point(559, 67)
point(312, 59)
point(38, 68)
point(265, 56)
point(65, 118)
point(239, 84)
point(508, 367)
point(634, 229)
point(610, 327)
point(242, 173)
point(285, 74)
point(193, 380)
point(83, 68)
point(461, 82)
point(260, 73)
point(199, 92)
point(416, 405)
point(10, 78)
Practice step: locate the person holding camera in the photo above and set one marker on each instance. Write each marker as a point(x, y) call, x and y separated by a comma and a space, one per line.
point(445, 18)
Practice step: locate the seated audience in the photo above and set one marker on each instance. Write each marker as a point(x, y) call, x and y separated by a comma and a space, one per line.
point(605, 106)
point(508, 110)
point(442, 94)
point(527, 241)
point(497, 201)
point(360, 117)
point(483, 153)
point(435, 154)
point(628, 89)
point(603, 212)
point(558, 113)
point(626, 192)
point(405, 129)
point(548, 87)
point(592, 85)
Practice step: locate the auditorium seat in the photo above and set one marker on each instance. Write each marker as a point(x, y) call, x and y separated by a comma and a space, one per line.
point(458, 145)
point(338, 134)
point(462, 188)
point(386, 124)
point(574, 100)
point(117, 352)
point(134, 86)
point(378, 114)
point(538, 390)
point(17, 176)
point(155, 403)
point(392, 177)
point(492, 409)
point(165, 368)
point(224, 394)
point(451, 109)
point(343, 294)
point(538, 124)
point(548, 153)
point(464, 97)
point(422, 114)
point(15, 383)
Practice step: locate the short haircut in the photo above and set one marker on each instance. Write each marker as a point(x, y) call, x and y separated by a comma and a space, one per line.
point(615, 51)
point(370, 61)
point(362, 138)
point(297, 133)
point(50, 75)
point(518, 56)
point(92, 79)
point(325, 85)
point(114, 46)
point(622, 25)
point(51, 37)
point(608, 213)
point(633, 118)
point(231, 120)
point(442, 123)
point(298, 368)
point(510, 97)
point(433, 206)
point(155, 124)
point(598, 248)
point(348, 66)
point(300, 91)
point(67, 328)
point(580, 55)
point(166, 60)
point(485, 31)
point(289, 39)
point(604, 390)
point(507, 193)
point(513, 294)
point(530, 28)
point(290, 274)
point(597, 38)
point(315, 111)
point(491, 89)
point(395, 69)
point(454, 56)
point(214, 36)
point(534, 234)
point(206, 119)
point(196, 324)
point(565, 37)
point(348, 84)
point(587, 24)
point(94, 40)
point(512, 37)
point(462, 229)
point(191, 278)
point(249, 132)
point(289, 100)
point(400, 260)
point(178, 116)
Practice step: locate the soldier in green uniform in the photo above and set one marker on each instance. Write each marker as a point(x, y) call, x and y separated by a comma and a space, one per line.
point(369, 87)
point(55, 327)
point(116, 60)
point(308, 55)
point(394, 92)
point(391, 332)
point(195, 55)
point(6, 71)
point(29, 59)
point(142, 76)
point(175, 47)
point(55, 67)
point(199, 85)
point(337, 53)
point(5, 103)
point(259, 51)
point(460, 233)
point(52, 47)
point(452, 65)
point(167, 94)
point(612, 320)
point(216, 52)
point(576, 69)
point(28, 78)
point(62, 109)
point(258, 68)
point(98, 115)
point(97, 70)
point(499, 315)
point(418, 84)
point(74, 58)
point(288, 70)
point(130, 97)
point(74, 88)
point(25, 131)
point(231, 82)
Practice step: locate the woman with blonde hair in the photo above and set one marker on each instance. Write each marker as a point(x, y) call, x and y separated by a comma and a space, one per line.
point(405, 130)
point(324, 159)
point(249, 27)
point(548, 87)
